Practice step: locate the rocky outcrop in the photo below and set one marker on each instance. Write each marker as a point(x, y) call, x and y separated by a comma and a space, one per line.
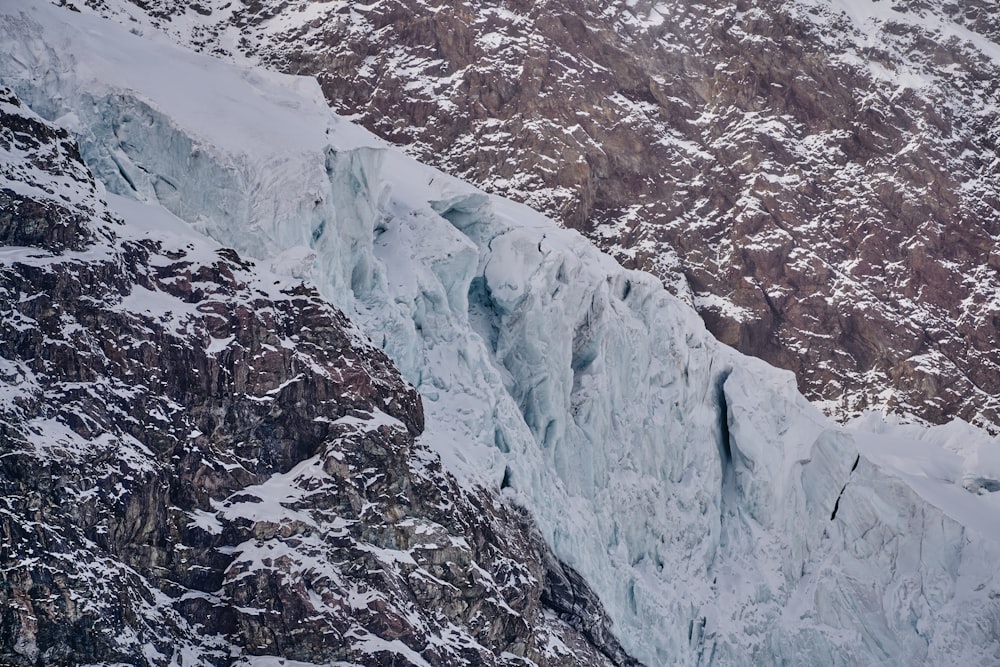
point(816, 178)
point(203, 463)
point(692, 488)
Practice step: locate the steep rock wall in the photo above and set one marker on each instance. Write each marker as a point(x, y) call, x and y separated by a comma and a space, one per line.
point(202, 462)
point(693, 488)
point(816, 178)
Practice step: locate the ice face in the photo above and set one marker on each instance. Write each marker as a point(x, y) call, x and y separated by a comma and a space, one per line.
point(720, 517)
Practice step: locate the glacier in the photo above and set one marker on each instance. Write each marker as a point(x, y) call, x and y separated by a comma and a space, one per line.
point(719, 516)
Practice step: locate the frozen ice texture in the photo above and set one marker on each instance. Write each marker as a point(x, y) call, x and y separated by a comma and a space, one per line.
point(720, 517)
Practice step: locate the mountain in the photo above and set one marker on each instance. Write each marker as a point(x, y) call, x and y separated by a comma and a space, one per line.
point(816, 178)
point(715, 514)
point(204, 463)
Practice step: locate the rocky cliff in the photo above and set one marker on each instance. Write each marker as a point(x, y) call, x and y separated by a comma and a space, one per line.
point(817, 179)
point(203, 463)
point(716, 514)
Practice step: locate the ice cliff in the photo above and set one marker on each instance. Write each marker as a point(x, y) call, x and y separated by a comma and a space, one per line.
point(204, 463)
point(720, 517)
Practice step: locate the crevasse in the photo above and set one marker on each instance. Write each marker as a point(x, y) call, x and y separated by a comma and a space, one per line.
point(692, 487)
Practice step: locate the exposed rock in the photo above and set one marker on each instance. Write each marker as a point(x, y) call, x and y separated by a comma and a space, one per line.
point(202, 463)
point(817, 180)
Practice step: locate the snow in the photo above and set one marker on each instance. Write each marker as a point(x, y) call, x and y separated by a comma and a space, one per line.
point(716, 513)
point(725, 307)
point(954, 467)
point(206, 521)
point(375, 421)
point(275, 661)
point(868, 15)
point(372, 644)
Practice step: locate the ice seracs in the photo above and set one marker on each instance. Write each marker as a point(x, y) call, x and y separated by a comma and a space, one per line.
point(720, 518)
point(815, 176)
point(203, 463)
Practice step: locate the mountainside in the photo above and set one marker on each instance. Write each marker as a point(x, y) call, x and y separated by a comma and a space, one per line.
point(204, 464)
point(715, 514)
point(818, 179)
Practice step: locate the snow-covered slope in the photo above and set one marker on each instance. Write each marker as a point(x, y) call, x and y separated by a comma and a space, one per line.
point(817, 177)
point(204, 463)
point(720, 517)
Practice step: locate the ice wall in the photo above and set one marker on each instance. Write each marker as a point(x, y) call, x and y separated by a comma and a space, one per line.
point(721, 519)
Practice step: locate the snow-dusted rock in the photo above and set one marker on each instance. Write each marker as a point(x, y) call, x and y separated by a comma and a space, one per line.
point(204, 463)
point(817, 177)
point(717, 515)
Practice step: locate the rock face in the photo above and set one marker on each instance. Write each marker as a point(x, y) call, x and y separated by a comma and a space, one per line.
point(817, 178)
point(201, 463)
point(716, 514)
